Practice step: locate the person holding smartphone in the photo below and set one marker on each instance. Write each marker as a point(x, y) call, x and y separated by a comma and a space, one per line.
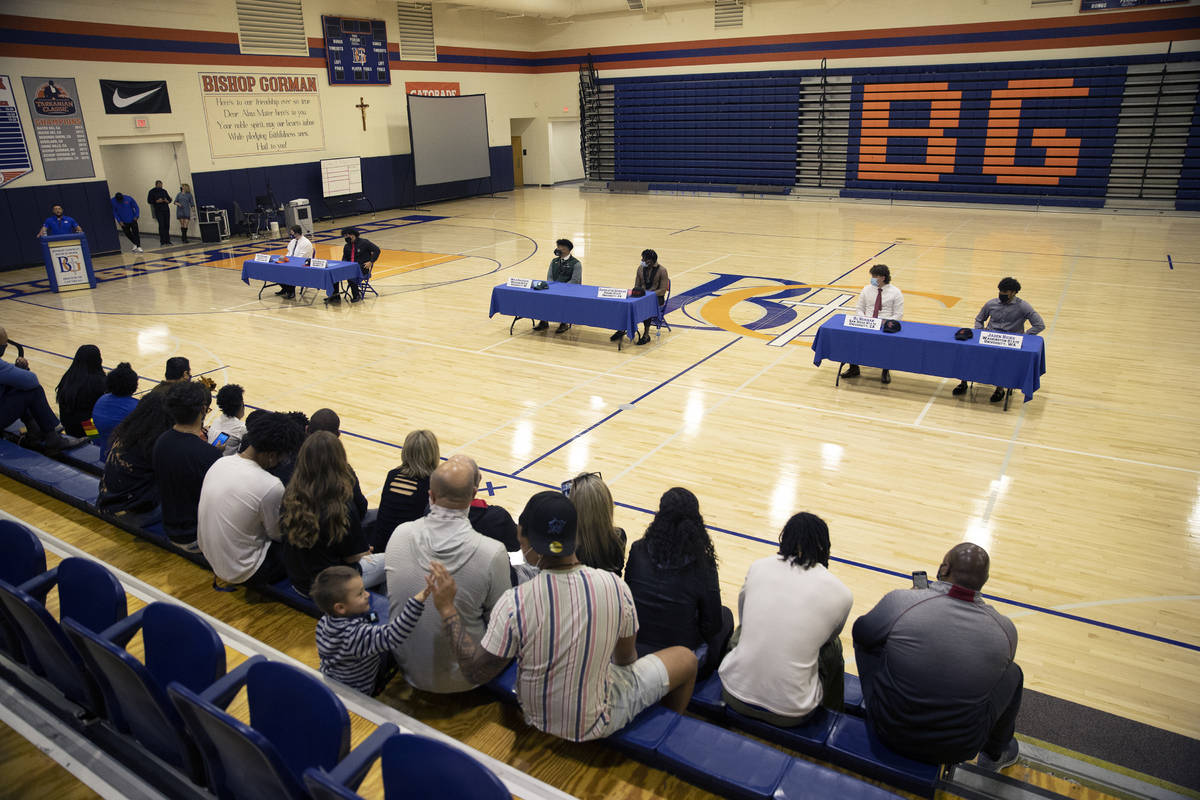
point(229, 424)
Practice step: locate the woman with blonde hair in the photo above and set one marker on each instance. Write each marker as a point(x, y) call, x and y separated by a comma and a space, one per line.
point(319, 525)
point(184, 203)
point(598, 543)
point(406, 489)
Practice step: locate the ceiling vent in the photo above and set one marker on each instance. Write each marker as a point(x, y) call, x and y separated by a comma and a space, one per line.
point(271, 27)
point(635, 5)
point(727, 13)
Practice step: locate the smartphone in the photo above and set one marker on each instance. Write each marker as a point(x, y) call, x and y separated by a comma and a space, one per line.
point(221, 439)
point(920, 580)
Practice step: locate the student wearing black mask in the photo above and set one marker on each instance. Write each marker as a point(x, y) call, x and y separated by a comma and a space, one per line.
point(356, 249)
point(564, 268)
point(651, 276)
point(1007, 314)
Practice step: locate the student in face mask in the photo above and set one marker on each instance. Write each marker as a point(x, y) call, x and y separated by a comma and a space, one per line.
point(1007, 314)
point(878, 299)
point(651, 276)
point(360, 250)
point(564, 268)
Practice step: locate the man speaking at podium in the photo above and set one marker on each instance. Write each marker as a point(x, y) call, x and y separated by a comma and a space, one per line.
point(298, 247)
point(356, 249)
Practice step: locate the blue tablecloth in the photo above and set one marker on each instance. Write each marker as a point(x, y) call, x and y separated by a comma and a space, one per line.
point(293, 272)
point(576, 304)
point(932, 350)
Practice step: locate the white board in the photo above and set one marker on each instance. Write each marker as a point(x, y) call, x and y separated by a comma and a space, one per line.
point(341, 176)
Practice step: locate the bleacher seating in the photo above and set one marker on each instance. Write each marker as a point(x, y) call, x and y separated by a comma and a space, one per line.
point(413, 767)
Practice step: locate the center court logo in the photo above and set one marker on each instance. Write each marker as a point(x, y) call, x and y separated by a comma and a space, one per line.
point(776, 310)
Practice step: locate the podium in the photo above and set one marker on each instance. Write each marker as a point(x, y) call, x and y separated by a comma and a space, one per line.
point(68, 262)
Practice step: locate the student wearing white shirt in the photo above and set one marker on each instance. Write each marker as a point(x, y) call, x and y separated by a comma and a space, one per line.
point(878, 299)
point(298, 247)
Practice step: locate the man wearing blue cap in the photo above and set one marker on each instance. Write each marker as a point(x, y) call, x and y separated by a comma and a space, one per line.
point(572, 630)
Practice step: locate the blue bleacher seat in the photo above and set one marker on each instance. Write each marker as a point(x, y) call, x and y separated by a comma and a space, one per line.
point(645, 734)
point(706, 698)
point(88, 594)
point(21, 558)
point(807, 781)
point(415, 767)
point(179, 646)
point(808, 738)
point(722, 761)
point(504, 685)
point(853, 744)
point(296, 722)
point(852, 698)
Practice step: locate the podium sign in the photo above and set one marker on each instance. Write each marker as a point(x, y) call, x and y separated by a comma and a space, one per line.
point(68, 262)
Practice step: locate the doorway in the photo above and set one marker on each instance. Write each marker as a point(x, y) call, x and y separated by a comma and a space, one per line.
point(133, 164)
point(518, 162)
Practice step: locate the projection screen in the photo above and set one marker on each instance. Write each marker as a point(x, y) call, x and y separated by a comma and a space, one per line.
point(449, 138)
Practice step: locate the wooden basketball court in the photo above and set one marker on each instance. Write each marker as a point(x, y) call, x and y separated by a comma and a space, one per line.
point(1087, 497)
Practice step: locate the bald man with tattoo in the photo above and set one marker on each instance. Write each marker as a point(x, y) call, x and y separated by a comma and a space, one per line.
point(937, 668)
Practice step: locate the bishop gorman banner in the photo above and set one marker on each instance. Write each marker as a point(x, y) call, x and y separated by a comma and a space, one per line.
point(973, 132)
point(258, 113)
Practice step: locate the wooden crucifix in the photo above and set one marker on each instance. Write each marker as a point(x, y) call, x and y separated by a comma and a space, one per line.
point(363, 108)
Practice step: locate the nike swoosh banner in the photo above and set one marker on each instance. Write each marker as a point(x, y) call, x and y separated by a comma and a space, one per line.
point(135, 97)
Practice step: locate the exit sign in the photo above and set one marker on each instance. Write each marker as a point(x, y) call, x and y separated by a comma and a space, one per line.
point(141, 122)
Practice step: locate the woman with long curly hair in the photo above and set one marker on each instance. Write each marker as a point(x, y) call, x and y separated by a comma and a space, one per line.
point(598, 543)
point(672, 572)
point(79, 389)
point(319, 524)
point(128, 483)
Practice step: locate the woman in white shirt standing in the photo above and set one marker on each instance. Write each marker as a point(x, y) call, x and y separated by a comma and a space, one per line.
point(878, 299)
point(298, 247)
point(787, 660)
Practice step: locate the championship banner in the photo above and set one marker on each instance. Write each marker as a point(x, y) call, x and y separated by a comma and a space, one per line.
point(1110, 5)
point(14, 152)
point(253, 114)
point(432, 88)
point(135, 97)
point(58, 127)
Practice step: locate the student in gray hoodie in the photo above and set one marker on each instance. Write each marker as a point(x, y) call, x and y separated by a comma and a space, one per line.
point(478, 564)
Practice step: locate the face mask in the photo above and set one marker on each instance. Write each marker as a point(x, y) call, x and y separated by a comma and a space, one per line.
point(559, 253)
point(644, 264)
point(349, 240)
point(874, 281)
point(1004, 298)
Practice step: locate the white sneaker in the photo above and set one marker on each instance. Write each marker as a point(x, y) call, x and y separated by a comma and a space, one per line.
point(138, 250)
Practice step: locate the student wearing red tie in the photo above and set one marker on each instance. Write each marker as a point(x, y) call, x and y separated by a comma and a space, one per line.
point(360, 250)
point(878, 299)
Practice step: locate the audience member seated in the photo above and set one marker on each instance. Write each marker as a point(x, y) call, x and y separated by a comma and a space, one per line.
point(233, 408)
point(938, 676)
point(181, 459)
point(478, 564)
point(672, 572)
point(22, 397)
point(79, 388)
point(326, 419)
point(128, 485)
point(240, 501)
point(320, 524)
point(787, 657)
point(406, 488)
point(287, 462)
point(572, 630)
point(352, 649)
point(115, 405)
point(599, 543)
point(178, 369)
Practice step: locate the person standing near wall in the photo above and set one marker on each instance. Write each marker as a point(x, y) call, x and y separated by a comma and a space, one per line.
point(160, 202)
point(125, 210)
point(184, 203)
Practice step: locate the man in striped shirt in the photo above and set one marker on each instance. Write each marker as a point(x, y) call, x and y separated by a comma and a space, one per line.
point(572, 630)
point(351, 647)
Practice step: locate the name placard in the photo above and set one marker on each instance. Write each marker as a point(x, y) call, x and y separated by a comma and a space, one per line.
point(866, 323)
point(520, 283)
point(996, 339)
point(261, 257)
point(319, 263)
point(610, 293)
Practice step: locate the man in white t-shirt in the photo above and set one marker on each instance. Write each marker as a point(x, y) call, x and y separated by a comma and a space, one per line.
point(879, 299)
point(572, 630)
point(298, 247)
point(788, 658)
point(238, 519)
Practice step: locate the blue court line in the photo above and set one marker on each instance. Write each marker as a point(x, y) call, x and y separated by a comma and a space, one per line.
point(1169, 264)
point(685, 230)
point(593, 426)
point(856, 266)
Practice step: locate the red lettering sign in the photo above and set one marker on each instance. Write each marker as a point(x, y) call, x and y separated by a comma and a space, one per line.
point(876, 109)
point(1004, 118)
point(432, 88)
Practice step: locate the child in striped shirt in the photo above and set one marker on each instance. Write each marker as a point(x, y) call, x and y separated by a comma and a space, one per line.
point(354, 650)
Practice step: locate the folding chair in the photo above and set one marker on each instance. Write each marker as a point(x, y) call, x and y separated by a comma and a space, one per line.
point(660, 320)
